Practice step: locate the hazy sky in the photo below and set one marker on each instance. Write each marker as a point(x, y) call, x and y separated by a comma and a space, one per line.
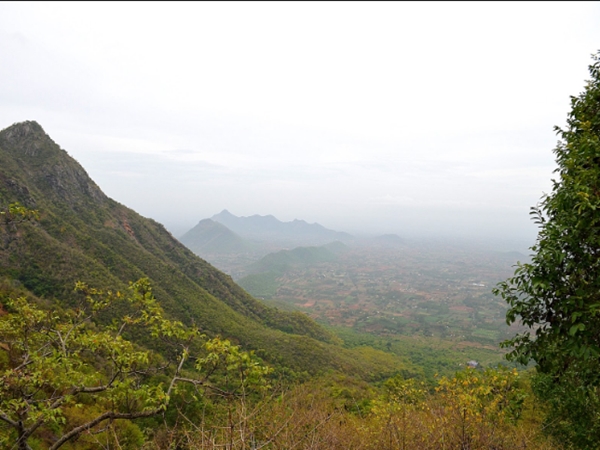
point(379, 117)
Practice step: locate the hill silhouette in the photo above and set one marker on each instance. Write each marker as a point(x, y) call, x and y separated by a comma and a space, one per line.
point(282, 260)
point(268, 228)
point(213, 237)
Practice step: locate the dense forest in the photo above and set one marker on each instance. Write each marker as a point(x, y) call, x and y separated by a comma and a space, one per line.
point(115, 335)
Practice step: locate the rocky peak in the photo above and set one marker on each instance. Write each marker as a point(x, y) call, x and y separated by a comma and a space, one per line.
point(39, 164)
point(22, 130)
point(27, 136)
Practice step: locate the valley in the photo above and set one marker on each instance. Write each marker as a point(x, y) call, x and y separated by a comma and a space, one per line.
point(389, 315)
point(437, 291)
point(392, 292)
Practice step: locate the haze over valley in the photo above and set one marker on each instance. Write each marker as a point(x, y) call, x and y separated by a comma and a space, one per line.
point(420, 120)
point(290, 225)
point(385, 286)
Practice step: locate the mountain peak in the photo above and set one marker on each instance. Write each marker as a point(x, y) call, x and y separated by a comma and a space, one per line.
point(24, 129)
point(31, 158)
point(84, 235)
point(27, 139)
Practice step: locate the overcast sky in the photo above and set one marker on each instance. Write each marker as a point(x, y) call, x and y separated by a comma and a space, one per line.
point(408, 118)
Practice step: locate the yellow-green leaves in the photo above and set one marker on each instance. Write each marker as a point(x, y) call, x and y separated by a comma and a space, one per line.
point(18, 213)
point(232, 369)
point(473, 409)
point(65, 373)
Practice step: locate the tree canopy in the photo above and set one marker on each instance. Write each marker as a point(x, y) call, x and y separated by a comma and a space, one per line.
point(54, 363)
point(557, 294)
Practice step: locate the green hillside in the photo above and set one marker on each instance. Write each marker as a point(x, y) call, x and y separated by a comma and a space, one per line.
point(84, 235)
point(262, 280)
point(282, 260)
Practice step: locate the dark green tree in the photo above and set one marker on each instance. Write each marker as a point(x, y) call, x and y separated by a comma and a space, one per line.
point(557, 294)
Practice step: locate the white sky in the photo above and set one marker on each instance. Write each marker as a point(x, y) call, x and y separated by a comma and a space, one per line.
point(408, 118)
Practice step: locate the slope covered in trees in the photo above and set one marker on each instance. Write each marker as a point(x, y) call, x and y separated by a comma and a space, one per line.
point(113, 370)
point(83, 235)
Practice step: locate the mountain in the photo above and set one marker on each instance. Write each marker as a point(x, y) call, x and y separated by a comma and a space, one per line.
point(223, 248)
point(268, 228)
point(209, 237)
point(234, 243)
point(83, 235)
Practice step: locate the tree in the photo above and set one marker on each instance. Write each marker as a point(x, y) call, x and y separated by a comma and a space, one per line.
point(55, 363)
point(557, 294)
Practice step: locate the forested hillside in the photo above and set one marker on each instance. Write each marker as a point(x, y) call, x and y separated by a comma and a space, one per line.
point(115, 335)
point(143, 352)
point(83, 235)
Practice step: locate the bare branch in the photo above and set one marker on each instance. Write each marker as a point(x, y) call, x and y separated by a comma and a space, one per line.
point(91, 390)
point(62, 341)
point(7, 419)
point(110, 415)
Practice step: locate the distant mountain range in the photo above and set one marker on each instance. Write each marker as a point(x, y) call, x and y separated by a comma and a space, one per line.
point(236, 244)
point(268, 228)
point(262, 277)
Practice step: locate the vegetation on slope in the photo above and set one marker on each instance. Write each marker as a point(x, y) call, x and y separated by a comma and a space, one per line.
point(68, 381)
point(282, 260)
point(72, 377)
point(84, 235)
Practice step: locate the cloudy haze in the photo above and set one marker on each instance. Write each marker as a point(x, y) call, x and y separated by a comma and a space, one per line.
point(408, 118)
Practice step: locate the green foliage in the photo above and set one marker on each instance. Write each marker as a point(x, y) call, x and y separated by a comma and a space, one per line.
point(68, 380)
point(571, 408)
point(421, 358)
point(263, 285)
point(11, 218)
point(57, 362)
point(491, 395)
point(557, 295)
point(473, 409)
point(16, 213)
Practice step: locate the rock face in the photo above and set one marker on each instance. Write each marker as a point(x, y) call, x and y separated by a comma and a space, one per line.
point(23, 134)
point(48, 166)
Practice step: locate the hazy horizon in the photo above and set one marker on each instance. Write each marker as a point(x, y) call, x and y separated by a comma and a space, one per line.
point(418, 119)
